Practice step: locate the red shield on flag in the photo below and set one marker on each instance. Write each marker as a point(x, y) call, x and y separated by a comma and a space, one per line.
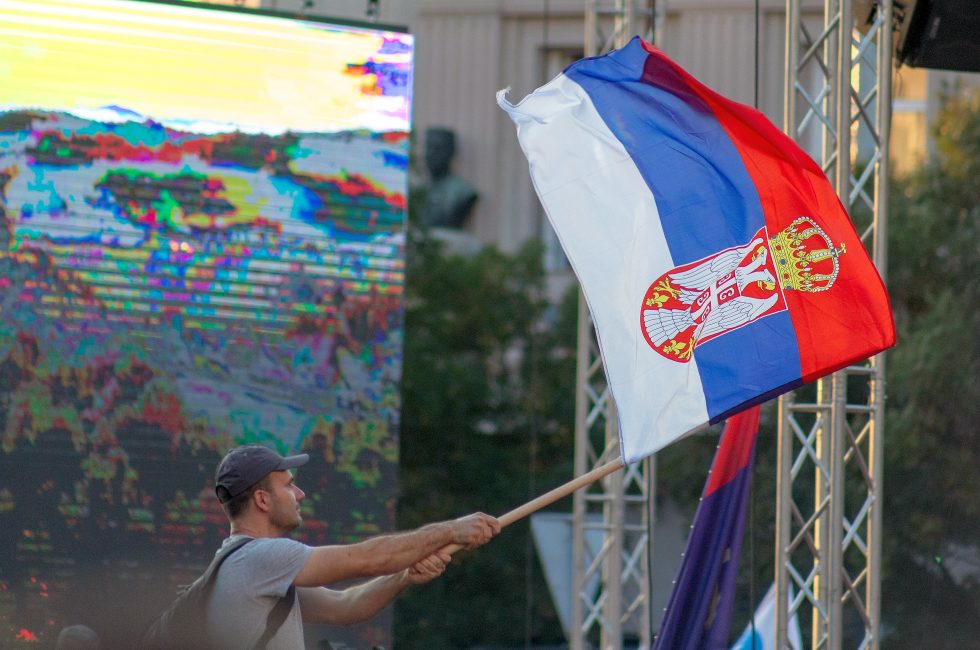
point(694, 303)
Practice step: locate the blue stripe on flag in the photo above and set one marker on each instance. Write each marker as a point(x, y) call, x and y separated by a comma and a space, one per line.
point(706, 200)
point(740, 365)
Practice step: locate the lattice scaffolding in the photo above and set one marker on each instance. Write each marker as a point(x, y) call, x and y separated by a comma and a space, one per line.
point(829, 486)
point(610, 591)
point(610, 588)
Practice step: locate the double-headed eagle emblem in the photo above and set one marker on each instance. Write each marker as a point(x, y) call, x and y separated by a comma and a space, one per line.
point(694, 303)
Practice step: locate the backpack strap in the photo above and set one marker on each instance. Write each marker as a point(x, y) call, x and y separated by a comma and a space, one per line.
point(279, 612)
point(276, 618)
point(208, 576)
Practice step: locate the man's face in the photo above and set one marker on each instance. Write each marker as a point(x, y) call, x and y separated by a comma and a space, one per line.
point(286, 497)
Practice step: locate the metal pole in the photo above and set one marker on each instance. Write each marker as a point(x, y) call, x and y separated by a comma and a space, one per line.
point(576, 639)
point(823, 483)
point(876, 444)
point(612, 571)
point(841, 94)
point(784, 436)
point(836, 514)
point(784, 480)
point(649, 525)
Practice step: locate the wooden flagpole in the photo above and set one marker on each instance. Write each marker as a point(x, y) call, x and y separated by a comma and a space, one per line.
point(550, 497)
point(560, 492)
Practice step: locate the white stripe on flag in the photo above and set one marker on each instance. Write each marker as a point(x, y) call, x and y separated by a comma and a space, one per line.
point(606, 218)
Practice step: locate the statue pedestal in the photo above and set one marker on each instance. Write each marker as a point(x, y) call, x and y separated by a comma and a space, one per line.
point(456, 242)
point(448, 202)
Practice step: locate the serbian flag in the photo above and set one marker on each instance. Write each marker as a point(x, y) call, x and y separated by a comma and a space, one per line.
point(699, 613)
point(719, 266)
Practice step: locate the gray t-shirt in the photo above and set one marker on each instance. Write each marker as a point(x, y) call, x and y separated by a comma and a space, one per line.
point(248, 586)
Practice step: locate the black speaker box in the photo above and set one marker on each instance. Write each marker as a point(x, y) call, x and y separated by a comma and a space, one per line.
point(940, 34)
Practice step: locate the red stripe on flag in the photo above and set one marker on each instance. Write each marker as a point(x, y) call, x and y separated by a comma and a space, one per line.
point(735, 448)
point(850, 321)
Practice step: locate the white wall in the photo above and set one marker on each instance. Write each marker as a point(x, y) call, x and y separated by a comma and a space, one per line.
point(469, 49)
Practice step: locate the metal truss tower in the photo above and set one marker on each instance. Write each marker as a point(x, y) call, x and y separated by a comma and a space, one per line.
point(610, 590)
point(829, 486)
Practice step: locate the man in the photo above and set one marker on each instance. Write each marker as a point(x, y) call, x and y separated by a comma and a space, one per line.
point(261, 499)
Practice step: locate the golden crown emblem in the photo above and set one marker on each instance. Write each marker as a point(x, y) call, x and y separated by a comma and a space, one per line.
point(805, 257)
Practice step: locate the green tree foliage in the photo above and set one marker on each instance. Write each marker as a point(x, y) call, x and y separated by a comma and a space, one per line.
point(487, 417)
point(932, 445)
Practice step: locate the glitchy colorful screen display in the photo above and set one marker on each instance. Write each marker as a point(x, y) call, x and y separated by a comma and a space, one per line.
point(201, 245)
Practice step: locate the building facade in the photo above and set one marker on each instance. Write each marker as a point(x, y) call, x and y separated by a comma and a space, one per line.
point(467, 50)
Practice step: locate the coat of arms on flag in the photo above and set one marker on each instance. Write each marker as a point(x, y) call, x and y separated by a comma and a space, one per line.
point(694, 303)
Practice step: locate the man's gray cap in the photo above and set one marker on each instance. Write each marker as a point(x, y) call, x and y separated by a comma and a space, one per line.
point(243, 467)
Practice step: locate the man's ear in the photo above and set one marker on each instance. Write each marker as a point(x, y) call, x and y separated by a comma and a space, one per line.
point(262, 500)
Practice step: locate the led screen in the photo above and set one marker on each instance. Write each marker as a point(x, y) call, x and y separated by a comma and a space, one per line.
point(201, 245)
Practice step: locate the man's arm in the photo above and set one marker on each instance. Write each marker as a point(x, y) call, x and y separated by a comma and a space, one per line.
point(359, 603)
point(390, 554)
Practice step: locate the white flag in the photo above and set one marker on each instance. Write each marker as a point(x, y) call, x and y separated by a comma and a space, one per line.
point(763, 637)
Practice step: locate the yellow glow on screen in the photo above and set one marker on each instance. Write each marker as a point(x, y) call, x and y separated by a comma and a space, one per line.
point(251, 4)
point(199, 69)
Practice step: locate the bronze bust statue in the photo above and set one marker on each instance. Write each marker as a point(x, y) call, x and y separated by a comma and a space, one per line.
point(449, 199)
